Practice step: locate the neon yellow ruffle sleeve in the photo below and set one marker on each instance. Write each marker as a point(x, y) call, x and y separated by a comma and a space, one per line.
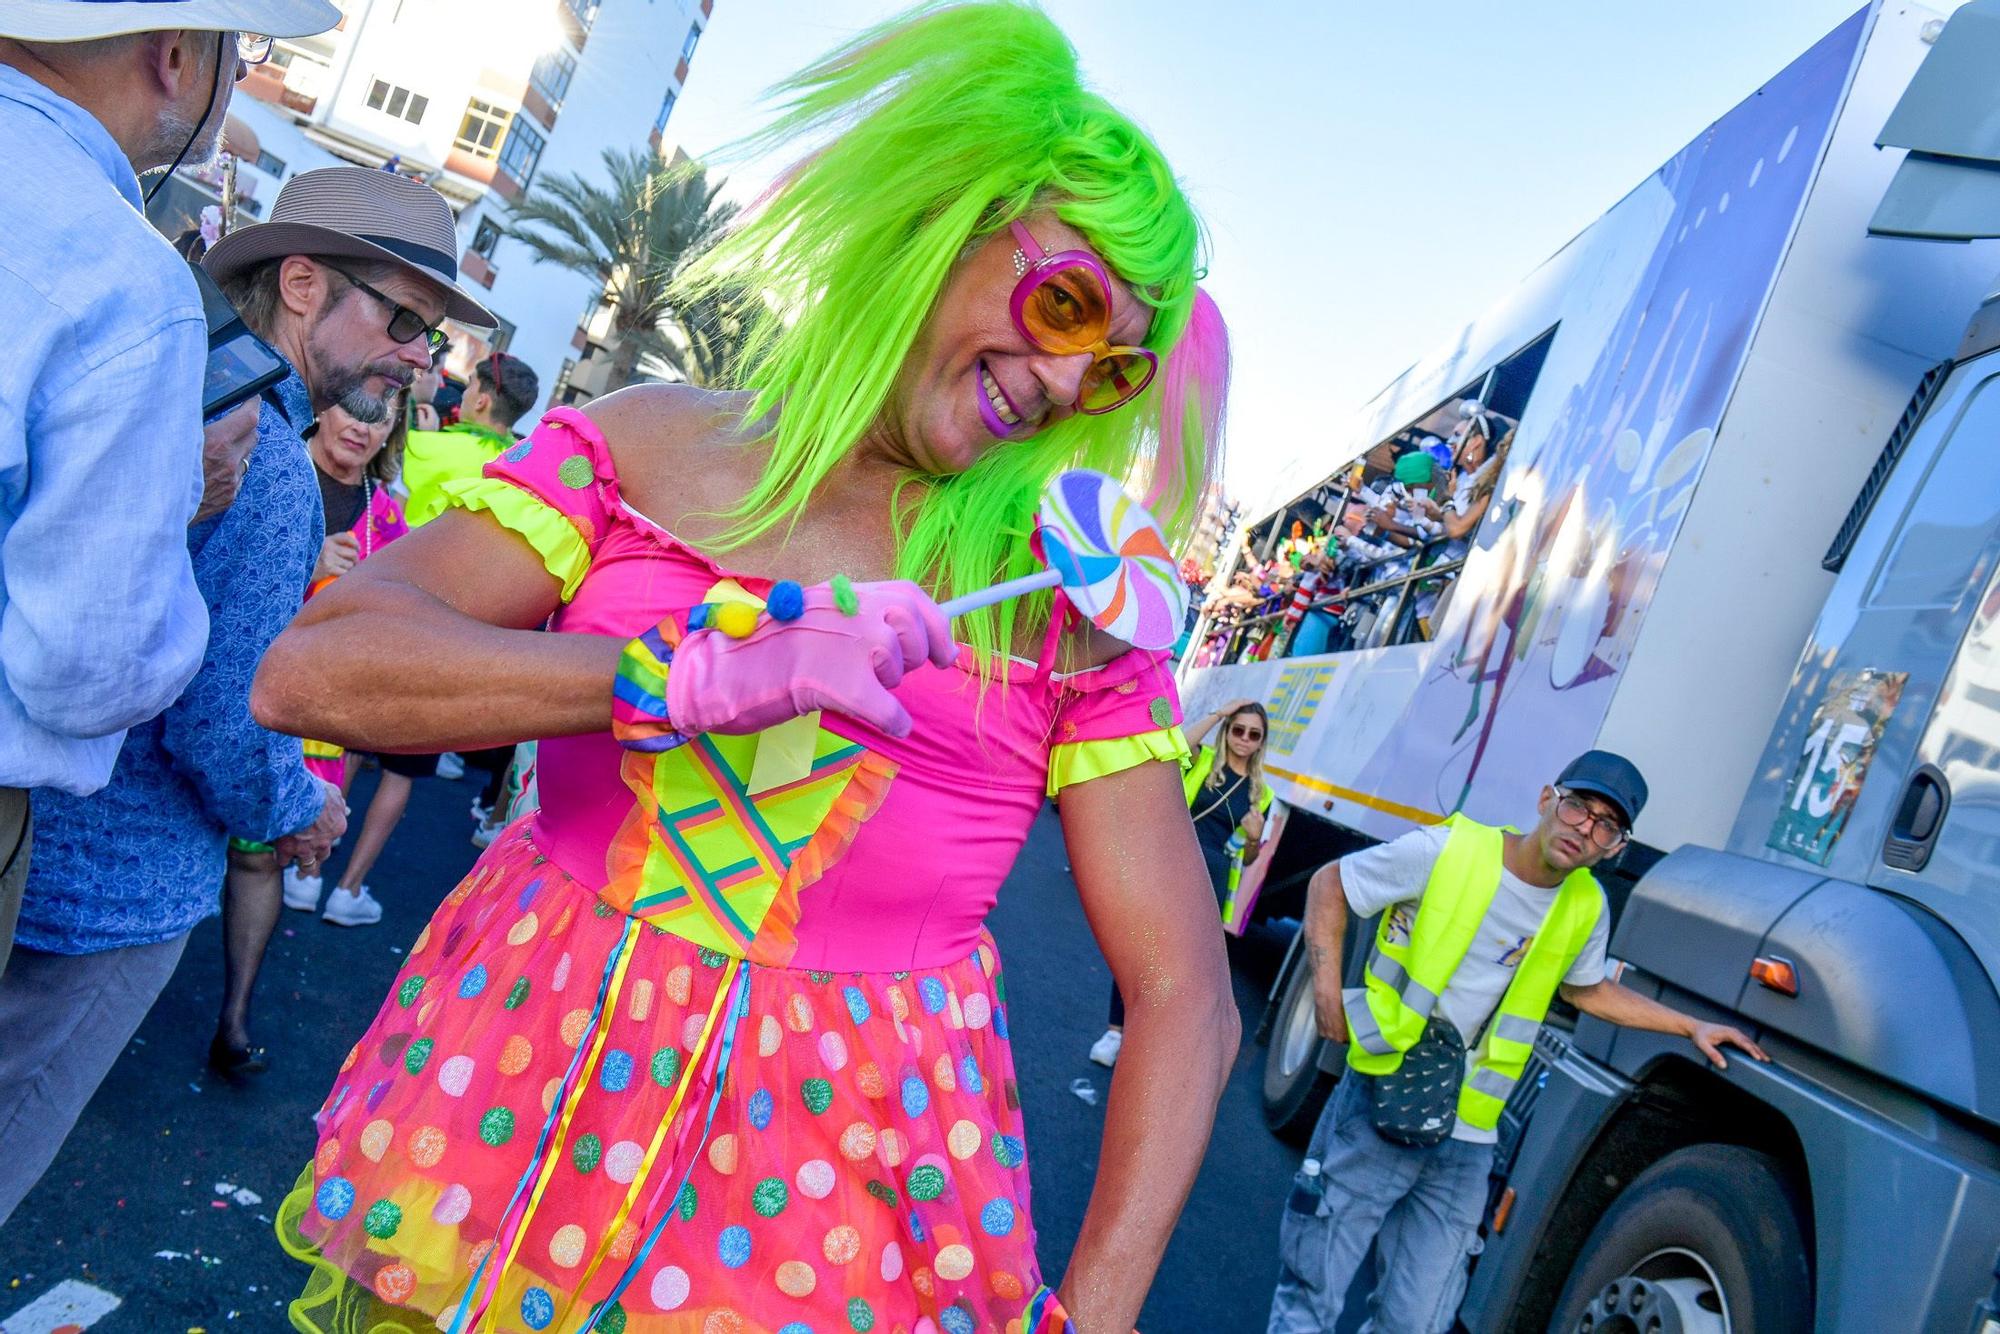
point(1079, 761)
point(552, 534)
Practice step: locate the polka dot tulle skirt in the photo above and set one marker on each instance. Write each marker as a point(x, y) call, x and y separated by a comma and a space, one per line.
point(563, 1119)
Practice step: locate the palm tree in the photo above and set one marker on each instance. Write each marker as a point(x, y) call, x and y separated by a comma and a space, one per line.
point(707, 337)
point(631, 232)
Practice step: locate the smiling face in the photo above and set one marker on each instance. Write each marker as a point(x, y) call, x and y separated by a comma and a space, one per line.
point(343, 447)
point(973, 379)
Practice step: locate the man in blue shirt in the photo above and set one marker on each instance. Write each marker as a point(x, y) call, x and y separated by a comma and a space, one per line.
point(348, 280)
point(101, 439)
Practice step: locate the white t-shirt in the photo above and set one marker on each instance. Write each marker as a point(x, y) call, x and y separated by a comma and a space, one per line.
point(1395, 873)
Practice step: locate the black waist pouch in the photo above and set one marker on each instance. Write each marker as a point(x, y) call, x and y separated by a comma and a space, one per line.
point(1417, 1103)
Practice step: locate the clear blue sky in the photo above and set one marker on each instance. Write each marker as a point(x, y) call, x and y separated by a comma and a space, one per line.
point(1373, 175)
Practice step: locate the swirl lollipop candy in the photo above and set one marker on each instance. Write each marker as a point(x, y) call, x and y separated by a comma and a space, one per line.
point(1106, 554)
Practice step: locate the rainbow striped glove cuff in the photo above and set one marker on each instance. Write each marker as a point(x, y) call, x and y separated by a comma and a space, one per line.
point(639, 718)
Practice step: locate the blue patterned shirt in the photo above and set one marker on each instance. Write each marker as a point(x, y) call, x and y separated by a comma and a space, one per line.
point(142, 860)
point(100, 449)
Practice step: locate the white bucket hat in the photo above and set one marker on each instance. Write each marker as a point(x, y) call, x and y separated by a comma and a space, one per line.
point(356, 213)
point(86, 20)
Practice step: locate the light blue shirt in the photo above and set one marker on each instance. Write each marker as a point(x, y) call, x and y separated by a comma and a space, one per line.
point(101, 624)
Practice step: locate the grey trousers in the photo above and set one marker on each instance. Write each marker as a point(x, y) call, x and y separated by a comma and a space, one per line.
point(16, 835)
point(1421, 1207)
point(64, 1019)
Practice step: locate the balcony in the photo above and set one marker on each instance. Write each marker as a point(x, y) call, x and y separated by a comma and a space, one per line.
point(538, 106)
point(480, 169)
point(478, 268)
point(577, 16)
point(266, 83)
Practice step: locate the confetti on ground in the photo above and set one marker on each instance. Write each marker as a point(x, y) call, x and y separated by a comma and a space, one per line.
point(1085, 1090)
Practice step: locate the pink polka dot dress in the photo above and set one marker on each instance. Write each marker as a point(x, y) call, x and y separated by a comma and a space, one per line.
point(715, 1042)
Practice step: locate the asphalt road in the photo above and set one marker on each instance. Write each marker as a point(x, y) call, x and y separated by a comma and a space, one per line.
point(144, 1203)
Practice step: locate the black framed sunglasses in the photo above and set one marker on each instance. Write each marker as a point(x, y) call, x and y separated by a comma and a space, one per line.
point(1239, 730)
point(405, 325)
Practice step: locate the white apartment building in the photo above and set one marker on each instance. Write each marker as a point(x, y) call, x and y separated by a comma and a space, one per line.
point(479, 98)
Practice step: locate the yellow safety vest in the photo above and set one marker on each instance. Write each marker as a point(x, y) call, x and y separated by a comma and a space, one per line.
point(1386, 1017)
point(432, 458)
point(1199, 767)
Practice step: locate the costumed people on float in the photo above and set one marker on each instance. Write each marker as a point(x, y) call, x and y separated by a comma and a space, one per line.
point(716, 1040)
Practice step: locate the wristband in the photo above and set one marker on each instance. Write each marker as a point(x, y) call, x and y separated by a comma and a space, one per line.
point(639, 694)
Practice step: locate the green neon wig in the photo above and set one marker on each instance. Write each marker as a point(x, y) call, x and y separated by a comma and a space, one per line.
point(923, 137)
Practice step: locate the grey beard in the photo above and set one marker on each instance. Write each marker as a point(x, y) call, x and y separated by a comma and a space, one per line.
point(366, 408)
point(176, 128)
point(348, 386)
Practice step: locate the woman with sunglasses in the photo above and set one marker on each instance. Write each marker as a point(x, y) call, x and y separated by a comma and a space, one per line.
point(1227, 798)
point(716, 1039)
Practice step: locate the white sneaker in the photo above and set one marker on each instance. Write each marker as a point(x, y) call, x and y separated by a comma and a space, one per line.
point(301, 890)
point(480, 810)
point(488, 830)
point(1104, 1051)
point(352, 907)
point(451, 766)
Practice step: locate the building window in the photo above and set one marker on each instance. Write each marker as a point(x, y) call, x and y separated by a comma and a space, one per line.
point(552, 75)
point(666, 110)
point(269, 163)
point(694, 35)
point(486, 237)
point(398, 102)
point(484, 126)
point(585, 11)
point(521, 151)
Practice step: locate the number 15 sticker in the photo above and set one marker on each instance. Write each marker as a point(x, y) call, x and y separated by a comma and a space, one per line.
point(1833, 763)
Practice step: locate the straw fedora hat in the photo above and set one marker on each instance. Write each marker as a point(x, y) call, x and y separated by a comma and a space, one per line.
point(87, 20)
point(356, 213)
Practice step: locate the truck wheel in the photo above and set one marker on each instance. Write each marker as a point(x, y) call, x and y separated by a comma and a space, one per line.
point(1295, 1088)
point(1705, 1241)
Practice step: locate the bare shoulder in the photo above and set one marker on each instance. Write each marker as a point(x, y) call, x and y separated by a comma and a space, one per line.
point(679, 448)
point(669, 419)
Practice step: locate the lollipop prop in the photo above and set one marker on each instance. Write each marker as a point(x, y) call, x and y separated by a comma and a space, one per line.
point(1106, 554)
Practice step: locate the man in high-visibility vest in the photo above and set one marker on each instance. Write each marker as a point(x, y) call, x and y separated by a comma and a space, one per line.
point(501, 391)
point(1481, 928)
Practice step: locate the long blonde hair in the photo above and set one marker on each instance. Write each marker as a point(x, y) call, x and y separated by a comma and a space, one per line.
point(1253, 768)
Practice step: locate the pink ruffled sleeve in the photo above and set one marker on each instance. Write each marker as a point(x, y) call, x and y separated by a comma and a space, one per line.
point(1115, 717)
point(556, 489)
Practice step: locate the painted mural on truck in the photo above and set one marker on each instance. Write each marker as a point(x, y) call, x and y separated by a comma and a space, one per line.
point(1657, 315)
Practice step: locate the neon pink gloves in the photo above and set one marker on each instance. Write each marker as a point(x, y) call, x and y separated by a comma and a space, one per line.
point(825, 659)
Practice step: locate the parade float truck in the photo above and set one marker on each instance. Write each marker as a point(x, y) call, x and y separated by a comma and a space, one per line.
point(1748, 534)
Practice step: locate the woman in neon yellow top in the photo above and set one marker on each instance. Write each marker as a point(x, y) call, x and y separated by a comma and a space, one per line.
point(1227, 801)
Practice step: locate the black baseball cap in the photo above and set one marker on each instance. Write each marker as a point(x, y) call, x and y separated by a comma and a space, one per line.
point(1610, 776)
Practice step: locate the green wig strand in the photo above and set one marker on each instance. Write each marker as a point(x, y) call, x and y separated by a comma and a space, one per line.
point(926, 135)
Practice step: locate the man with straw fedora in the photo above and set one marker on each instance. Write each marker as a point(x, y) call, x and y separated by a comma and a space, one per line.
point(348, 281)
point(101, 437)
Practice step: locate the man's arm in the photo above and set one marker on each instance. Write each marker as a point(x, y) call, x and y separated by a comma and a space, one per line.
point(1325, 933)
point(104, 624)
point(1620, 1005)
point(253, 782)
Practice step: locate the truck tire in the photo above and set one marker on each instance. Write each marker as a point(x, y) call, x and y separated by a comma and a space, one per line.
point(1295, 1088)
point(1705, 1241)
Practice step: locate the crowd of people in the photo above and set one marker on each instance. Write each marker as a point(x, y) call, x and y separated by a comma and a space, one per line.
point(152, 548)
point(713, 1030)
point(1404, 508)
point(782, 790)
